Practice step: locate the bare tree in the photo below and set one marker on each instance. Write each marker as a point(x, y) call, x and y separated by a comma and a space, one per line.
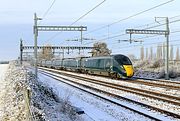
point(100, 49)
point(177, 54)
point(151, 53)
point(132, 56)
point(46, 53)
point(164, 46)
point(159, 52)
point(171, 53)
point(146, 53)
point(142, 53)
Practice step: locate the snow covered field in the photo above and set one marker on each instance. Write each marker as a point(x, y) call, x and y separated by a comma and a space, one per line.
point(3, 69)
point(52, 100)
point(95, 108)
point(146, 100)
point(12, 103)
point(156, 69)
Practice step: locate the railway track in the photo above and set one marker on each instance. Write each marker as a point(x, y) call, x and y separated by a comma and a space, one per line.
point(144, 81)
point(158, 82)
point(146, 93)
point(166, 98)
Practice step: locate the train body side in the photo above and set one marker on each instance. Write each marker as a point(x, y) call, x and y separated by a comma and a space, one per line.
point(113, 65)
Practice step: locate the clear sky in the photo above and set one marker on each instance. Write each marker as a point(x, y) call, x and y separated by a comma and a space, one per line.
point(16, 21)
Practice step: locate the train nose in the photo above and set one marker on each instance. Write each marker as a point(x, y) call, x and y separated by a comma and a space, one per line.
point(129, 70)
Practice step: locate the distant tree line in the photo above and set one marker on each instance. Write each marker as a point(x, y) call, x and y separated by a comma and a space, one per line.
point(4, 62)
point(160, 53)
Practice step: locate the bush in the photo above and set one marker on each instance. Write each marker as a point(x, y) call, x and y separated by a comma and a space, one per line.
point(157, 64)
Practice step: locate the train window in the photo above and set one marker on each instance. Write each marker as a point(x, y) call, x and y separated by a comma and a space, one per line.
point(101, 63)
point(107, 63)
point(123, 60)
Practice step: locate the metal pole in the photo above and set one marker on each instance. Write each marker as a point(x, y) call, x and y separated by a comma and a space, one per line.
point(35, 45)
point(167, 50)
point(21, 51)
point(81, 37)
point(63, 54)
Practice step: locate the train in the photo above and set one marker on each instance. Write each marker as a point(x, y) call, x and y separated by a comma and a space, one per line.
point(115, 66)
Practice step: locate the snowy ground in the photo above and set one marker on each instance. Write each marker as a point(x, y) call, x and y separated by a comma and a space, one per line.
point(142, 99)
point(156, 69)
point(95, 108)
point(51, 100)
point(12, 103)
point(3, 69)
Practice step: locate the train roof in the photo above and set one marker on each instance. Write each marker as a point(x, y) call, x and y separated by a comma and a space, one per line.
point(108, 56)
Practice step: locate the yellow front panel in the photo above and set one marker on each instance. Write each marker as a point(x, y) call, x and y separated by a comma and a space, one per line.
point(129, 70)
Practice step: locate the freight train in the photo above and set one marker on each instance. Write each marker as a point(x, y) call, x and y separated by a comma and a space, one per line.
point(115, 66)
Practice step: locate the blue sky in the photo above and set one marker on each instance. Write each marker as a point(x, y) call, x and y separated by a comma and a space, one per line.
point(17, 21)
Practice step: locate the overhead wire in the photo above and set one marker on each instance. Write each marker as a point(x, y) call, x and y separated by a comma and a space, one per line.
point(131, 16)
point(125, 47)
point(135, 27)
point(111, 37)
point(118, 20)
point(148, 37)
point(79, 18)
point(47, 11)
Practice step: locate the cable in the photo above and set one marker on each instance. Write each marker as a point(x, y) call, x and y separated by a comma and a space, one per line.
point(88, 12)
point(138, 26)
point(149, 44)
point(47, 11)
point(162, 24)
point(142, 26)
point(178, 20)
point(177, 31)
point(131, 16)
point(122, 48)
point(79, 18)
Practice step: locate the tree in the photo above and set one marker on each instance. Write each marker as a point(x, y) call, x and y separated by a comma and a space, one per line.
point(177, 54)
point(159, 52)
point(46, 53)
point(171, 53)
point(146, 53)
point(100, 49)
point(142, 53)
point(132, 56)
point(164, 50)
point(151, 53)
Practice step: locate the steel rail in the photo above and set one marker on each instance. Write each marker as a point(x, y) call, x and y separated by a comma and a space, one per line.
point(147, 93)
point(113, 95)
point(154, 82)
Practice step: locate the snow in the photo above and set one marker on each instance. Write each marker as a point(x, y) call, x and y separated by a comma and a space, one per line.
point(52, 100)
point(3, 69)
point(156, 69)
point(95, 108)
point(12, 103)
point(155, 103)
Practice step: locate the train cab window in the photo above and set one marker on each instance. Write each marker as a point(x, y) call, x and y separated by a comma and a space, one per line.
point(123, 60)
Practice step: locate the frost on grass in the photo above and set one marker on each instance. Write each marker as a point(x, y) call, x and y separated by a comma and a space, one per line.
point(47, 106)
point(156, 69)
point(12, 97)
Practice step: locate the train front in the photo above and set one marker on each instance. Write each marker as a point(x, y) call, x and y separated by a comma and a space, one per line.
point(125, 66)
